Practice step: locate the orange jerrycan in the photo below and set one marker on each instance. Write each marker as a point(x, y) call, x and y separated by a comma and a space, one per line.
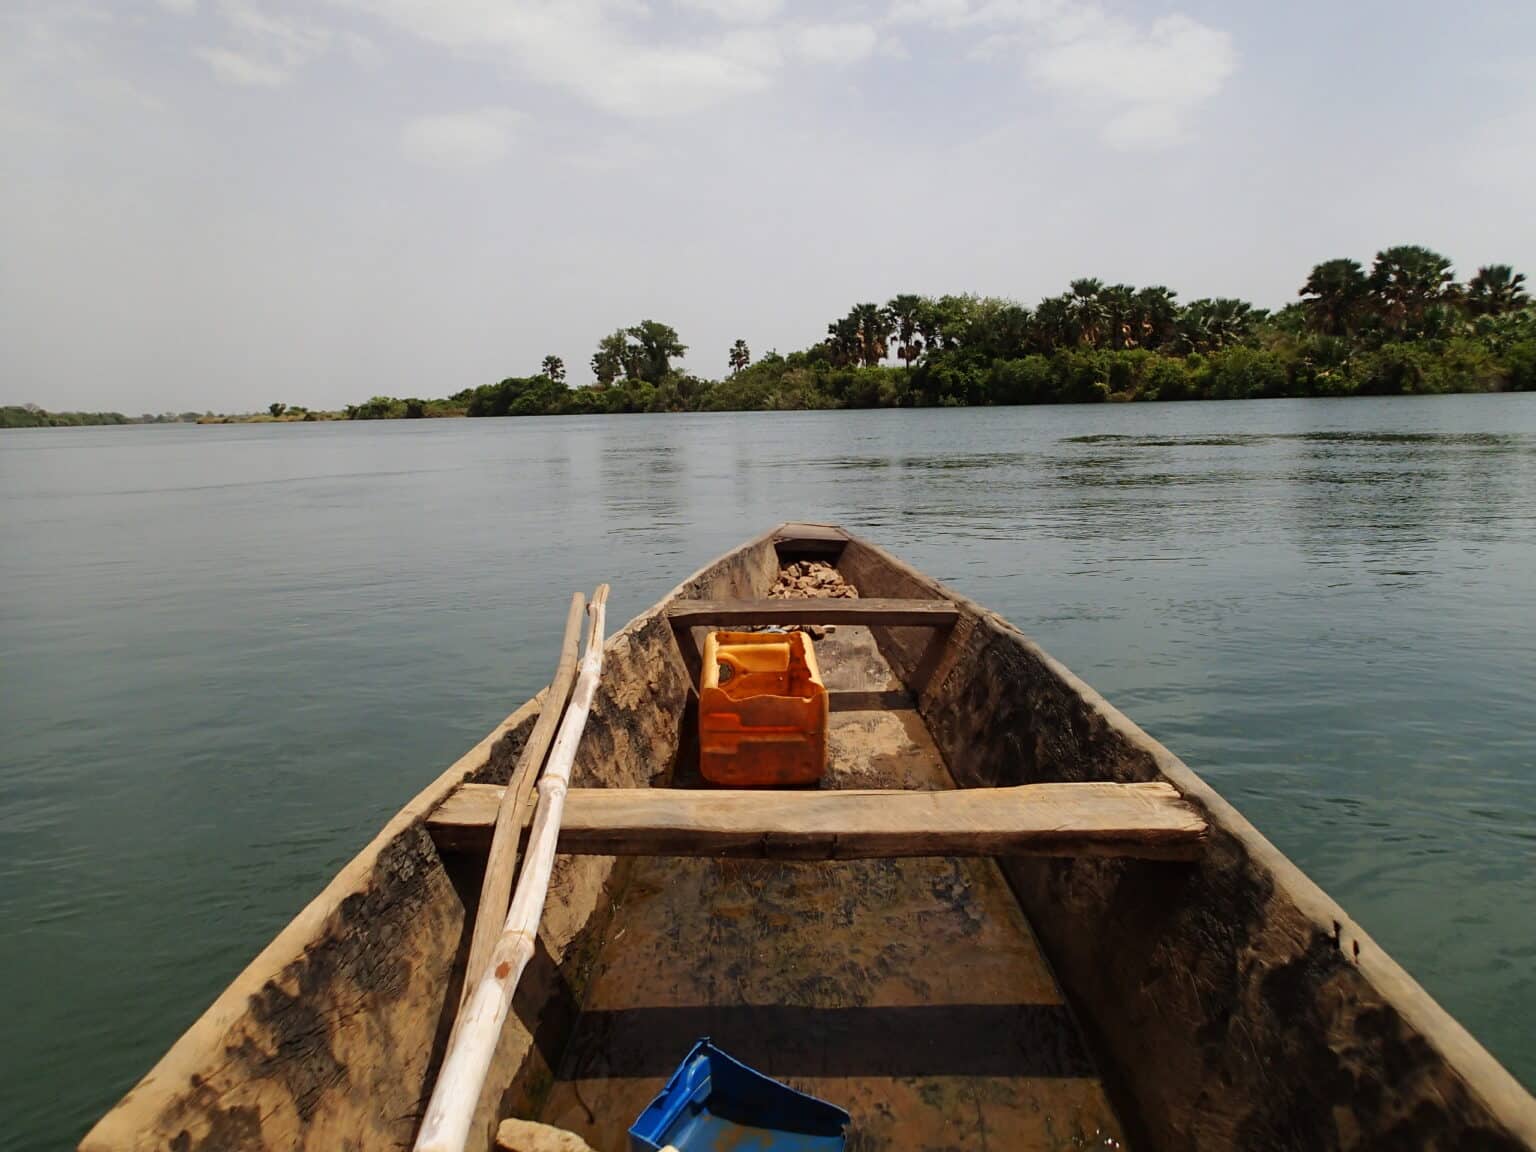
point(762, 710)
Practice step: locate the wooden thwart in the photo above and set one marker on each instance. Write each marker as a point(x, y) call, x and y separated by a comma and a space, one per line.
point(809, 540)
point(868, 612)
point(1143, 821)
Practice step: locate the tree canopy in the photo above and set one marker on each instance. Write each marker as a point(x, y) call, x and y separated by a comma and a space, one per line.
point(1405, 325)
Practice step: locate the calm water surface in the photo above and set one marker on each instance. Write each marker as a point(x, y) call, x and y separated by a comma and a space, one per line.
point(227, 654)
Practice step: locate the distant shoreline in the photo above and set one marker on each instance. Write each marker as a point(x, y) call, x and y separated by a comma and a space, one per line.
point(342, 418)
point(1405, 327)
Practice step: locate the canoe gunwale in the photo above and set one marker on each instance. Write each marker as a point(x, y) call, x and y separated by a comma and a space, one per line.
point(137, 1113)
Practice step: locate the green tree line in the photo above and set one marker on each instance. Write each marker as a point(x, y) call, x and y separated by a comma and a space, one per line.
point(31, 416)
point(1404, 325)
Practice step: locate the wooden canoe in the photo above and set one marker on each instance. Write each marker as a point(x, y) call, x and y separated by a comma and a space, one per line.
point(1095, 950)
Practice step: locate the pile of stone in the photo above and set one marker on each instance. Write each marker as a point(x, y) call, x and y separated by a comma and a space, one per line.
point(812, 580)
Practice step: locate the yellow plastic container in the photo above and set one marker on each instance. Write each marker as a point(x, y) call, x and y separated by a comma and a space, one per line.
point(762, 710)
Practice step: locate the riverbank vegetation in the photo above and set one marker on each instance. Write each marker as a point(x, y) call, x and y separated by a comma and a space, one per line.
point(31, 416)
point(1403, 326)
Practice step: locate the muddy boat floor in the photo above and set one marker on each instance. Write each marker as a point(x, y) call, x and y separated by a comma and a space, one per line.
point(910, 992)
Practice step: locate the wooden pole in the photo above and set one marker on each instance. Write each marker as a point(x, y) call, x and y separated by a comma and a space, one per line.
point(501, 864)
point(445, 1127)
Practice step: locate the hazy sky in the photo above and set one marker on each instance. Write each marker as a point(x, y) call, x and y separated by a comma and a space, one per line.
point(221, 203)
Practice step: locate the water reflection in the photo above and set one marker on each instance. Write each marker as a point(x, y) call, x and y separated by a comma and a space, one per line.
point(645, 485)
point(1325, 607)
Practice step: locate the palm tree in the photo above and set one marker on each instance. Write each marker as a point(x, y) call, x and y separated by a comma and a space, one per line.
point(1406, 281)
point(1209, 325)
point(1088, 313)
point(554, 368)
point(740, 356)
point(907, 311)
point(1155, 316)
point(1495, 290)
point(875, 325)
point(1053, 325)
point(1334, 295)
point(1118, 303)
point(843, 341)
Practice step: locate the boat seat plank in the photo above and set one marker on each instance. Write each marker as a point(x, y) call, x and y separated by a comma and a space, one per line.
point(869, 612)
point(795, 531)
point(809, 540)
point(1143, 821)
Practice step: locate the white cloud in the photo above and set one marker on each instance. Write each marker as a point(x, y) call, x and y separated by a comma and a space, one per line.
point(737, 11)
point(181, 7)
point(292, 39)
point(940, 13)
point(1147, 81)
point(992, 45)
point(458, 140)
point(624, 57)
point(836, 43)
point(53, 34)
point(268, 49)
point(362, 51)
point(597, 49)
point(234, 68)
point(1142, 82)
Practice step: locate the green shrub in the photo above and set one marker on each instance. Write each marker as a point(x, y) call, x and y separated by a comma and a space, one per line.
point(1520, 366)
point(1168, 378)
point(1242, 373)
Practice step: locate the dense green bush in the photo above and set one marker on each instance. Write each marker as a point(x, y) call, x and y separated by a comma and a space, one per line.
point(17, 416)
point(1241, 373)
point(1520, 366)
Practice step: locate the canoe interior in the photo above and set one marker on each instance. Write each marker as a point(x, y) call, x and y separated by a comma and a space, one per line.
point(908, 991)
point(1223, 1004)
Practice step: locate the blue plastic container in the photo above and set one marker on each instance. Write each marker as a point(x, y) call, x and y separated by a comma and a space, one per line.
point(715, 1103)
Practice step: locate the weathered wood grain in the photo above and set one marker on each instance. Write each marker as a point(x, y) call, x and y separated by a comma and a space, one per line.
point(1143, 821)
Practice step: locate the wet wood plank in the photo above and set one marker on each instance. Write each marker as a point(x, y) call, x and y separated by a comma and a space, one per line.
point(1143, 821)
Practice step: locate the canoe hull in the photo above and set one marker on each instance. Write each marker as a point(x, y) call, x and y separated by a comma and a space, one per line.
point(1238, 1007)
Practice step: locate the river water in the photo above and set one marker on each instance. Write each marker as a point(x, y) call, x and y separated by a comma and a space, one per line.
point(227, 654)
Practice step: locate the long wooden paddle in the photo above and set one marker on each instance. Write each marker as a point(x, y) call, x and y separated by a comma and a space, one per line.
point(471, 1048)
point(501, 863)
